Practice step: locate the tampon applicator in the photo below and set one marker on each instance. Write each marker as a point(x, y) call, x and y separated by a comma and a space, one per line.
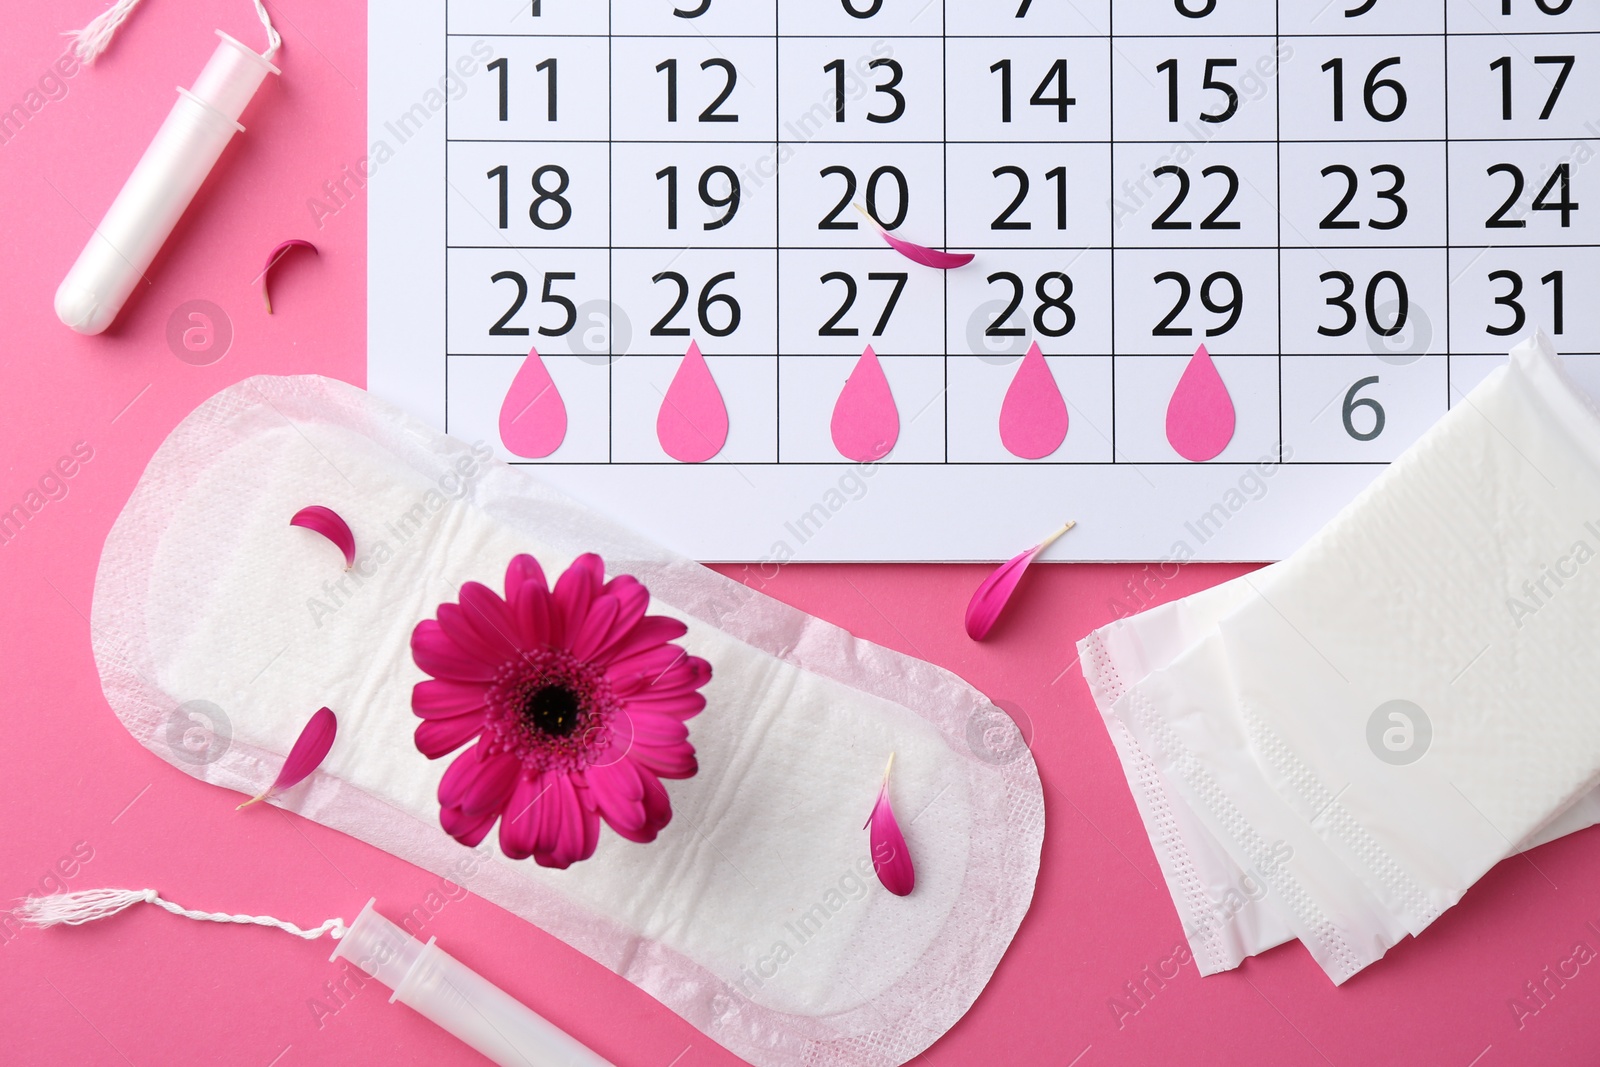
point(445, 991)
point(424, 977)
point(159, 190)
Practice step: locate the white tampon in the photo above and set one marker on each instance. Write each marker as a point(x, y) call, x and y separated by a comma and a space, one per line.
point(424, 977)
point(443, 990)
point(160, 188)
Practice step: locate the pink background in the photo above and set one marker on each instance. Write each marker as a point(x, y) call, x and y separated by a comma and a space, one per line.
point(85, 806)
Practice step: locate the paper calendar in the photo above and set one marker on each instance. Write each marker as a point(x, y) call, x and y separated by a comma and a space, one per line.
point(1231, 257)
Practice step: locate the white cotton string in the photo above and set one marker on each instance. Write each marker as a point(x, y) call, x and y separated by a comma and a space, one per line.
point(274, 42)
point(75, 909)
point(93, 39)
point(90, 41)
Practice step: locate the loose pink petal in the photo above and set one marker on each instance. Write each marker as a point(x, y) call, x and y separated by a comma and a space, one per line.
point(1200, 416)
point(327, 522)
point(1033, 418)
point(272, 261)
point(692, 424)
point(866, 422)
point(996, 591)
point(890, 857)
point(309, 750)
point(927, 257)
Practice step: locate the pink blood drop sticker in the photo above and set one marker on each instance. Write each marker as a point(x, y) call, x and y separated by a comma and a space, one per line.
point(533, 418)
point(692, 425)
point(1200, 416)
point(866, 423)
point(1033, 418)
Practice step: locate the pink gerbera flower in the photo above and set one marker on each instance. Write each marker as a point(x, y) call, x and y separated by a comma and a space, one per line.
point(578, 702)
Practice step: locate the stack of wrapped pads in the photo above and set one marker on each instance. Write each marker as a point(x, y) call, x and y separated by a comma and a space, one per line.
point(1336, 747)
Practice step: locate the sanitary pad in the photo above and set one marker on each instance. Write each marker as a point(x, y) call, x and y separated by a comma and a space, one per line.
point(1337, 747)
point(754, 914)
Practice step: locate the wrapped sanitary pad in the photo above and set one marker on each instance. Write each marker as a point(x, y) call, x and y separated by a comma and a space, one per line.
point(1335, 748)
point(754, 914)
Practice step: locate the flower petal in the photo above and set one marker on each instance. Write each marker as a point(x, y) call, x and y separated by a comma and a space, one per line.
point(548, 813)
point(457, 624)
point(995, 592)
point(648, 663)
point(272, 261)
point(470, 830)
point(618, 792)
point(679, 703)
point(438, 655)
point(657, 812)
point(519, 825)
point(438, 698)
point(919, 254)
point(329, 524)
point(650, 633)
point(310, 749)
point(576, 827)
point(440, 737)
point(597, 628)
point(677, 761)
point(631, 595)
point(459, 775)
point(492, 619)
point(528, 597)
point(927, 257)
point(491, 787)
point(658, 730)
point(574, 592)
point(890, 857)
point(686, 672)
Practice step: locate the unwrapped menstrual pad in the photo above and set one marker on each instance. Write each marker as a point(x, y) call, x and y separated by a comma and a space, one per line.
point(754, 914)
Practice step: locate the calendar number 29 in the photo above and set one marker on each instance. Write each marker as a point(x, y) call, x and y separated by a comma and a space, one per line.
point(1221, 294)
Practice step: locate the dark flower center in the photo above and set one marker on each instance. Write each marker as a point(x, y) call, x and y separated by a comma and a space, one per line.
point(552, 710)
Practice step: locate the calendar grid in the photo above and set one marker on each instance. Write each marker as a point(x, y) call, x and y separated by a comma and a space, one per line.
point(1247, 176)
